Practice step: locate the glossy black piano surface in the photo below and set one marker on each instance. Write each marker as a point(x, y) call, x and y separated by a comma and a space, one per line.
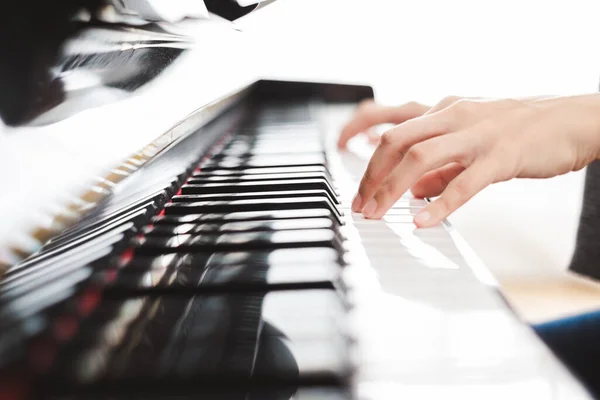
point(58, 58)
point(215, 273)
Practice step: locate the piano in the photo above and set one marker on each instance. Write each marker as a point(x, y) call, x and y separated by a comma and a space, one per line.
point(178, 227)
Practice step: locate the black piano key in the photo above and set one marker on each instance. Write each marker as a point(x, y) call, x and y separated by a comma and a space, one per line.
point(279, 144)
point(162, 262)
point(150, 245)
point(152, 178)
point(263, 163)
point(258, 171)
point(256, 178)
point(123, 227)
point(137, 217)
point(160, 190)
point(248, 150)
point(266, 147)
point(186, 278)
point(298, 213)
point(279, 133)
point(109, 238)
point(279, 392)
point(285, 203)
point(28, 281)
point(156, 279)
point(106, 216)
point(279, 159)
point(262, 186)
point(316, 255)
point(271, 277)
point(188, 198)
point(240, 226)
point(117, 207)
point(298, 393)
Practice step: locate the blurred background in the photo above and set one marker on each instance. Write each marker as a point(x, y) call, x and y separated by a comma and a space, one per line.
point(524, 230)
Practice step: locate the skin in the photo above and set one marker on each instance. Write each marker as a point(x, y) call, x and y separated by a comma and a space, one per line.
point(462, 145)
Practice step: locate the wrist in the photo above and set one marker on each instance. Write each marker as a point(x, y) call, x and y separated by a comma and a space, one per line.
point(593, 112)
point(585, 117)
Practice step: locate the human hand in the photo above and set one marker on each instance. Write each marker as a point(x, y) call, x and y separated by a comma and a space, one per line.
point(370, 114)
point(460, 146)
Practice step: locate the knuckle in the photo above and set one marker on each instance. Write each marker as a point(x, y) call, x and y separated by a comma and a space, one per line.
point(366, 107)
point(386, 139)
point(446, 101)
point(461, 111)
point(417, 154)
point(467, 151)
point(465, 105)
point(413, 106)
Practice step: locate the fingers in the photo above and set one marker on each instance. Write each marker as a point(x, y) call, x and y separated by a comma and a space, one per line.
point(461, 189)
point(394, 146)
point(420, 159)
point(433, 183)
point(370, 114)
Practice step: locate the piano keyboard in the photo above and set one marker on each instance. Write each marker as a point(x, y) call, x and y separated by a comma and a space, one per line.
point(228, 274)
point(231, 267)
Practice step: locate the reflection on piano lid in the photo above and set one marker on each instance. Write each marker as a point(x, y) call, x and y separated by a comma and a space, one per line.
point(235, 9)
point(66, 56)
point(174, 10)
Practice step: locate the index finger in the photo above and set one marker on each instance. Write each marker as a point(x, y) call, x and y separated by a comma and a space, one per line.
point(390, 152)
point(370, 114)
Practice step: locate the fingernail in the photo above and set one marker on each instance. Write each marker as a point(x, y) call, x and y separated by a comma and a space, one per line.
point(356, 203)
point(370, 208)
point(422, 218)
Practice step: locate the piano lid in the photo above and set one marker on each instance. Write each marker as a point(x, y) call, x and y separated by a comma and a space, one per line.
point(67, 56)
point(86, 85)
